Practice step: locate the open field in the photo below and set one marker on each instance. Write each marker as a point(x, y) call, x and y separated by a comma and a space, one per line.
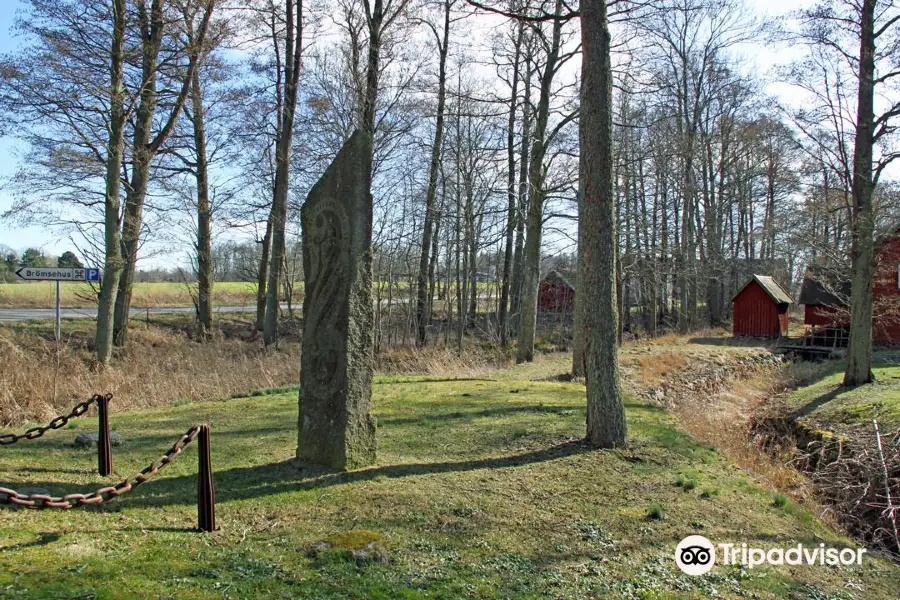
point(42, 294)
point(481, 491)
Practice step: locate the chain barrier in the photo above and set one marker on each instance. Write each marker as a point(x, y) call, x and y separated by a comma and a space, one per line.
point(39, 501)
point(7, 439)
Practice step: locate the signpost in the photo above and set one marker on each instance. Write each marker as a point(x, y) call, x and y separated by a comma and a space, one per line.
point(57, 274)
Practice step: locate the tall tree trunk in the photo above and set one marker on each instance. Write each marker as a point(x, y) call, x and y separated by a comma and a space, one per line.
point(262, 275)
point(423, 304)
point(597, 282)
point(515, 308)
point(535, 221)
point(115, 150)
point(204, 214)
point(460, 248)
point(435, 247)
point(578, 324)
point(293, 46)
point(473, 235)
point(532, 258)
point(151, 33)
point(375, 20)
point(859, 351)
point(512, 198)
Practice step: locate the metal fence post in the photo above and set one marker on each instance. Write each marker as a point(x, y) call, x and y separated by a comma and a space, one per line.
point(206, 494)
point(104, 451)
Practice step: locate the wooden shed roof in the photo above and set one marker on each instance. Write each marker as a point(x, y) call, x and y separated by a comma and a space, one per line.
point(554, 278)
point(771, 287)
point(817, 290)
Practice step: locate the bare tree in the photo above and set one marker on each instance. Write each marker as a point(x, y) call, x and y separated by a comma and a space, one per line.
point(843, 36)
point(859, 352)
point(423, 302)
point(537, 171)
point(154, 24)
point(115, 150)
point(512, 214)
point(287, 87)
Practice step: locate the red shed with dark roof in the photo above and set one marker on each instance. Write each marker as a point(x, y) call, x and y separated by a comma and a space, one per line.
point(555, 294)
point(760, 308)
point(825, 294)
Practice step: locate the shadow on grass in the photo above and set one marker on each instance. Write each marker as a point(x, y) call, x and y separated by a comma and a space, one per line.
point(43, 540)
point(477, 414)
point(265, 480)
point(817, 402)
point(404, 379)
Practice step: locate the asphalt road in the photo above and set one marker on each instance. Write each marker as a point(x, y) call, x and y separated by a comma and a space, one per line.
point(48, 314)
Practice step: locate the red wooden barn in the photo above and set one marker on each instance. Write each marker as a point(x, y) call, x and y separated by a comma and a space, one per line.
point(824, 296)
point(760, 308)
point(555, 294)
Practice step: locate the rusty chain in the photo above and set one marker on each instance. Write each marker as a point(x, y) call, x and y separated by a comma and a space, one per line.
point(38, 501)
point(7, 439)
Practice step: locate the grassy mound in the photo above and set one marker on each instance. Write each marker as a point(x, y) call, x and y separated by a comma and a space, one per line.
point(483, 490)
point(827, 405)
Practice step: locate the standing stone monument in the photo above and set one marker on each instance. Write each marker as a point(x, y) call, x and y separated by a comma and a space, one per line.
point(335, 426)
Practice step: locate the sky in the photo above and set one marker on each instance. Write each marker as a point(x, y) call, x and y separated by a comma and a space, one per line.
point(12, 234)
point(19, 237)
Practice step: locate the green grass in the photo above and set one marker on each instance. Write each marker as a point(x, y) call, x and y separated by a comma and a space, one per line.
point(482, 490)
point(657, 512)
point(832, 407)
point(686, 483)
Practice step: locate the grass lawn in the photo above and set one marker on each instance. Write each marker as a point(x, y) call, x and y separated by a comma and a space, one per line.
point(482, 490)
point(830, 406)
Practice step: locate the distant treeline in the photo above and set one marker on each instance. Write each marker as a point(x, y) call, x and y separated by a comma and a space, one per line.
point(33, 257)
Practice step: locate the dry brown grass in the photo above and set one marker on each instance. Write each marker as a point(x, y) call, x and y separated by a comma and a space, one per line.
point(654, 368)
point(159, 367)
point(442, 361)
point(720, 408)
point(163, 364)
point(725, 424)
